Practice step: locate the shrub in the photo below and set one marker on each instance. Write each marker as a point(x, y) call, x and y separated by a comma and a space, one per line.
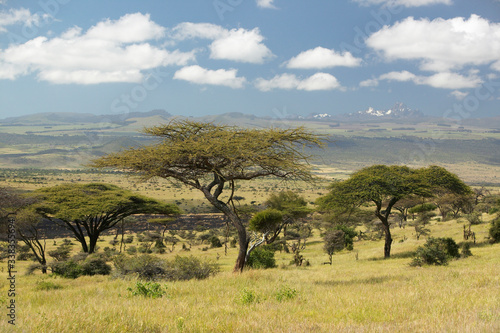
point(285, 293)
point(94, 265)
point(47, 285)
point(75, 267)
point(129, 239)
point(261, 257)
point(148, 289)
point(495, 231)
point(69, 269)
point(247, 297)
point(187, 268)
point(148, 267)
point(465, 250)
point(215, 242)
point(61, 253)
point(436, 251)
point(131, 250)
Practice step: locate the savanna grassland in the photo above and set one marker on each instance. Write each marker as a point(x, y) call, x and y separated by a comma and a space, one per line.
point(359, 292)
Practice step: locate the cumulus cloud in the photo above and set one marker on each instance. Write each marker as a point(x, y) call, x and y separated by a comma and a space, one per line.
point(440, 45)
point(265, 4)
point(221, 77)
point(110, 51)
point(444, 80)
point(318, 81)
point(321, 57)
point(405, 3)
point(19, 16)
point(369, 83)
point(239, 45)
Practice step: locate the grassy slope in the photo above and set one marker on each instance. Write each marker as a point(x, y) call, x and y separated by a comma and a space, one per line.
point(365, 295)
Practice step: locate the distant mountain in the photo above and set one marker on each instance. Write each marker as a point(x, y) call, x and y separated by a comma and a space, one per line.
point(399, 110)
point(59, 118)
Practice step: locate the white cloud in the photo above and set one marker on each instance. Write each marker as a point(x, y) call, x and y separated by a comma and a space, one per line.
point(440, 45)
point(318, 81)
point(110, 51)
point(283, 81)
point(239, 45)
point(405, 3)
point(19, 16)
point(189, 30)
point(265, 4)
point(460, 95)
point(398, 76)
point(220, 77)
point(321, 57)
point(444, 80)
point(369, 83)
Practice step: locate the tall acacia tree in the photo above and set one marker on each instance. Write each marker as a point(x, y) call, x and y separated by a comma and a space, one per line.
point(212, 158)
point(87, 210)
point(385, 186)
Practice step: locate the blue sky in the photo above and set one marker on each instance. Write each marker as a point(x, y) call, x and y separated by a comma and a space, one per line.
point(265, 57)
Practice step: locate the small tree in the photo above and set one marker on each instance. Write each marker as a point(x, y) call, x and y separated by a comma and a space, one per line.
point(334, 242)
point(87, 210)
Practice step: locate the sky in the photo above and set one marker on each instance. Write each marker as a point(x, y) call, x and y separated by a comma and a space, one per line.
point(264, 57)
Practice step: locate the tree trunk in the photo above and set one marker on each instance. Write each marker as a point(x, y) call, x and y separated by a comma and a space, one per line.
point(388, 241)
point(92, 243)
point(242, 252)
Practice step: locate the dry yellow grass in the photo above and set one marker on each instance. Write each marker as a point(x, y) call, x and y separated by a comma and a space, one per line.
point(365, 295)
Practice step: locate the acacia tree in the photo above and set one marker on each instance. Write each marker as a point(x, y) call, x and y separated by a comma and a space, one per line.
point(385, 186)
point(212, 158)
point(87, 210)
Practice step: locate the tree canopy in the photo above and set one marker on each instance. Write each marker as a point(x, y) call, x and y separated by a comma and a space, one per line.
point(90, 209)
point(385, 185)
point(210, 157)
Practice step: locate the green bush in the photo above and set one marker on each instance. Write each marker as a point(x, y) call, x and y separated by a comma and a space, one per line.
point(187, 268)
point(47, 285)
point(285, 293)
point(436, 251)
point(148, 289)
point(94, 265)
point(75, 267)
point(215, 242)
point(465, 250)
point(68, 269)
point(247, 296)
point(148, 267)
point(261, 257)
point(495, 231)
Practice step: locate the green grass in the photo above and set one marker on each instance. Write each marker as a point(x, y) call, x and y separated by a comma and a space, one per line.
point(365, 295)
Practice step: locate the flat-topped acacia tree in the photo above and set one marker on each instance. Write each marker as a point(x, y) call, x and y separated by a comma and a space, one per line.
point(211, 157)
point(87, 210)
point(385, 186)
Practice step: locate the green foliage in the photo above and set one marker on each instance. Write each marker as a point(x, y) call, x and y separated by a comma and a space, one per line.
point(148, 289)
point(47, 285)
point(465, 250)
point(75, 267)
point(61, 253)
point(334, 241)
point(425, 207)
point(349, 235)
point(285, 293)
point(494, 231)
point(261, 258)
point(266, 220)
point(247, 297)
point(69, 269)
point(215, 242)
point(148, 267)
point(436, 251)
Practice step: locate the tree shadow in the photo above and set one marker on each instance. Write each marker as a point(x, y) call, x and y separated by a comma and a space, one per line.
point(370, 280)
